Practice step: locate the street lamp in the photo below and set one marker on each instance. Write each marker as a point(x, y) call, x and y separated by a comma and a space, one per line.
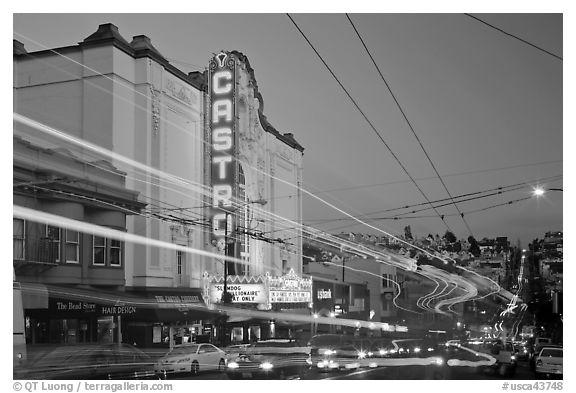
point(541, 191)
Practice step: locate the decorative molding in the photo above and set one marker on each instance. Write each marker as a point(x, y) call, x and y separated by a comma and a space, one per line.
point(155, 94)
point(179, 91)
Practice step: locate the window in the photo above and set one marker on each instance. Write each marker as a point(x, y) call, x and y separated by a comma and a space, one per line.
point(72, 246)
point(115, 252)
point(99, 250)
point(179, 262)
point(19, 238)
point(53, 235)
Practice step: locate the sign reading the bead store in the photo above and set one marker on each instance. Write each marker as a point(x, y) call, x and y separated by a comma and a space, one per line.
point(222, 124)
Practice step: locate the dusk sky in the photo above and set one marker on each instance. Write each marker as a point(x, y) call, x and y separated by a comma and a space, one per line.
point(486, 107)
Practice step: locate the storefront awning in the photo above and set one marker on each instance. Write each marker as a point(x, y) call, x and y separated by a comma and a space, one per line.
point(158, 304)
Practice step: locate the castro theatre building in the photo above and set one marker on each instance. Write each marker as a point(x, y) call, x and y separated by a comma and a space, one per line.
point(211, 172)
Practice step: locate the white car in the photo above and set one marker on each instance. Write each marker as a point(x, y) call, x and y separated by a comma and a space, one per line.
point(191, 358)
point(549, 362)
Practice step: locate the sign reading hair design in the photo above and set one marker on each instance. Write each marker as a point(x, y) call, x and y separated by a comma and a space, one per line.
point(222, 122)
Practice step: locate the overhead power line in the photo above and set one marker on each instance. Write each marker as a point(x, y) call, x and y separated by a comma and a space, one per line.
point(424, 178)
point(498, 191)
point(366, 118)
point(409, 124)
point(513, 36)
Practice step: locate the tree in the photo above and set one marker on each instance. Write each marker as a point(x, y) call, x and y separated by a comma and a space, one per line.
point(408, 233)
point(474, 248)
point(457, 247)
point(450, 237)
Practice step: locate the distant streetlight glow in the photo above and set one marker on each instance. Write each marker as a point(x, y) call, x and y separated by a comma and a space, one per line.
point(539, 191)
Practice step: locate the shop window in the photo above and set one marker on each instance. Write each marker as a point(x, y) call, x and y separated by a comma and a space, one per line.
point(19, 235)
point(53, 235)
point(115, 252)
point(99, 251)
point(72, 246)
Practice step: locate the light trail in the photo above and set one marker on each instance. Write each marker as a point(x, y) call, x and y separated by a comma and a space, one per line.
point(56, 220)
point(377, 275)
point(394, 260)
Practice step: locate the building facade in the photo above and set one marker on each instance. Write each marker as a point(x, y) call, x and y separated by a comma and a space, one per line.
point(125, 101)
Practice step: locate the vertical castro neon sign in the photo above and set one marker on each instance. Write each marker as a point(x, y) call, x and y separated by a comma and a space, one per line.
point(222, 120)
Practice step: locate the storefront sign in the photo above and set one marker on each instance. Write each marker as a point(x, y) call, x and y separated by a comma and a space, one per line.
point(290, 288)
point(118, 310)
point(177, 299)
point(222, 121)
point(324, 294)
point(75, 306)
point(289, 296)
point(242, 293)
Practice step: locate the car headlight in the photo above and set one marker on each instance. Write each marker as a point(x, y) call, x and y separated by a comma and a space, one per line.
point(329, 352)
point(361, 355)
point(416, 350)
point(232, 365)
point(383, 352)
point(266, 366)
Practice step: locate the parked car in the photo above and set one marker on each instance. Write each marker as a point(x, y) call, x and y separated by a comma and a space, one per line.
point(91, 361)
point(537, 349)
point(191, 359)
point(549, 362)
point(274, 359)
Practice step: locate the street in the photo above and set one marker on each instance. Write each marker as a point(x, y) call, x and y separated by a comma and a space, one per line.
point(523, 372)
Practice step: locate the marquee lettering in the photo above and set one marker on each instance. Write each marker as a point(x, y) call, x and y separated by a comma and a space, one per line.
point(222, 124)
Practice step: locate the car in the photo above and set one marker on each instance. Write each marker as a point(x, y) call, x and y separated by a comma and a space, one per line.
point(452, 346)
point(90, 361)
point(271, 359)
point(233, 351)
point(504, 353)
point(333, 352)
point(549, 362)
point(191, 359)
point(537, 349)
point(522, 351)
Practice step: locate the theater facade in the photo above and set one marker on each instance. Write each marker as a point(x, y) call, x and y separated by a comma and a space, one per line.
point(200, 167)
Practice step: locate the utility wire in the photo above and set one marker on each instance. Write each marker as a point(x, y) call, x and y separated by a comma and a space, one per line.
point(500, 190)
point(431, 216)
point(513, 36)
point(424, 178)
point(409, 123)
point(366, 118)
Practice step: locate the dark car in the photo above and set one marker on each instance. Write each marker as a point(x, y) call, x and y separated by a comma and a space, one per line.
point(107, 361)
point(270, 359)
point(333, 352)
